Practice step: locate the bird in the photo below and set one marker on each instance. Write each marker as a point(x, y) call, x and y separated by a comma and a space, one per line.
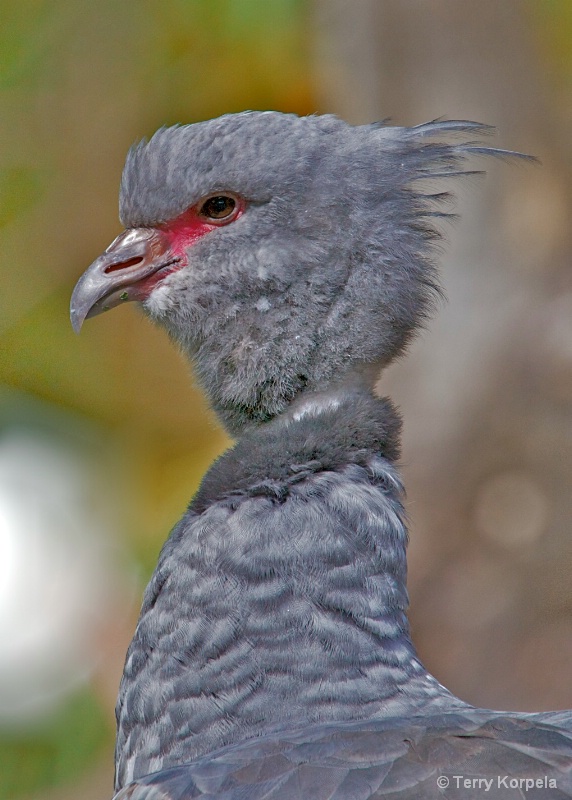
point(292, 259)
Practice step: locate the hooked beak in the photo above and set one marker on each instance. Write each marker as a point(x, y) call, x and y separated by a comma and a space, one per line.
point(122, 273)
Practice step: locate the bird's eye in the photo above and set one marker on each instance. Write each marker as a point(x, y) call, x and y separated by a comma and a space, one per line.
point(219, 207)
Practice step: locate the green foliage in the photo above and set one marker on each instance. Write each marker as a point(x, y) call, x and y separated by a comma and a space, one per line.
point(552, 22)
point(54, 754)
point(27, 32)
point(20, 187)
point(213, 58)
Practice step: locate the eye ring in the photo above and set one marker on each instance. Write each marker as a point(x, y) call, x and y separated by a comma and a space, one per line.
point(219, 208)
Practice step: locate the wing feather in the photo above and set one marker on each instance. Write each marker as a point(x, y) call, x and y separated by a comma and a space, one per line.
point(379, 759)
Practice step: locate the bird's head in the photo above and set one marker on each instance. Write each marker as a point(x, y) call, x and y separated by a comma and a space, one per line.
point(282, 253)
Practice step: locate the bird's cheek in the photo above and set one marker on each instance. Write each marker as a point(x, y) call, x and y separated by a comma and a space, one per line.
point(143, 288)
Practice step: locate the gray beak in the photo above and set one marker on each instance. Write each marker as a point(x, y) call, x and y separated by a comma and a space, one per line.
point(121, 274)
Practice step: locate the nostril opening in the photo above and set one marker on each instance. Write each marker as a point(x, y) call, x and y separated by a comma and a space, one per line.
point(131, 262)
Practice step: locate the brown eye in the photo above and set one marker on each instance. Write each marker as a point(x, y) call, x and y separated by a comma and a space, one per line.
point(221, 206)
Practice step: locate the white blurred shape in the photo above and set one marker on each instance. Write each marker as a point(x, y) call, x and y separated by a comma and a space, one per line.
point(54, 565)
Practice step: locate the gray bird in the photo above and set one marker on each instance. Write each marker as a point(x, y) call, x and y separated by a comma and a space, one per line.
point(292, 259)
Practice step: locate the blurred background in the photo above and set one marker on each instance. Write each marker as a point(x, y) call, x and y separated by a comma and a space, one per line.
point(104, 438)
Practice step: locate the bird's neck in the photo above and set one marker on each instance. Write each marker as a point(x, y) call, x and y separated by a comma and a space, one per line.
point(280, 597)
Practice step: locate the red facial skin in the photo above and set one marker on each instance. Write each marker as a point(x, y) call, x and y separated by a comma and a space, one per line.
point(181, 233)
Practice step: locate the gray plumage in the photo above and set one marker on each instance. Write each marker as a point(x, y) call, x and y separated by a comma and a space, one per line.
point(272, 658)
